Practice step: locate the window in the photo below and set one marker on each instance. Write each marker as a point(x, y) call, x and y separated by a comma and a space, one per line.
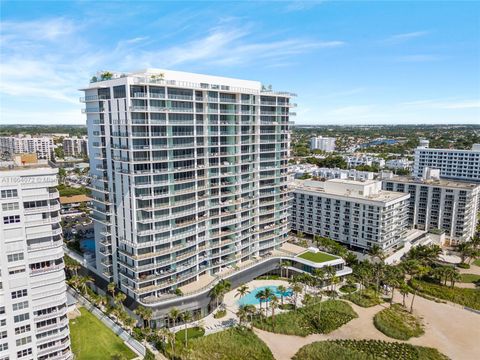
point(24, 341)
point(23, 353)
point(10, 206)
point(21, 317)
point(3, 346)
point(15, 257)
point(22, 329)
point(2, 310)
point(3, 335)
point(16, 271)
point(20, 305)
point(10, 193)
point(3, 322)
point(12, 219)
point(19, 293)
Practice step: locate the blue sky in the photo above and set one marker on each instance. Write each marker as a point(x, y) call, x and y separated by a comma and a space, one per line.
point(379, 62)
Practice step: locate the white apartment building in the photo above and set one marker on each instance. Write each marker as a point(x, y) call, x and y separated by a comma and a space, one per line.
point(330, 173)
point(439, 204)
point(354, 161)
point(189, 178)
point(26, 144)
point(399, 164)
point(355, 213)
point(75, 146)
point(452, 163)
point(33, 301)
point(322, 143)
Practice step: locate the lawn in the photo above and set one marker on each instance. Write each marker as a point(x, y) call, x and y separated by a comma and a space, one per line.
point(462, 296)
point(366, 350)
point(476, 262)
point(398, 323)
point(318, 257)
point(470, 278)
point(91, 339)
point(192, 332)
point(231, 344)
point(365, 298)
point(314, 318)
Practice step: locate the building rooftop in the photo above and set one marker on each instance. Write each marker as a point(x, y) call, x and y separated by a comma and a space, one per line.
point(188, 80)
point(435, 182)
point(14, 165)
point(317, 257)
point(74, 199)
point(360, 190)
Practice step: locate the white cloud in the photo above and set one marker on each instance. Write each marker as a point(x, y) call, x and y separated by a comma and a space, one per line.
point(398, 38)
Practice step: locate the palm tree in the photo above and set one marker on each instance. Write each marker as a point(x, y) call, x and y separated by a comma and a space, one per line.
point(250, 310)
point(320, 276)
point(376, 252)
point(111, 288)
point(282, 289)
point(146, 315)
point(273, 306)
point(260, 295)
point(173, 315)
point(378, 269)
point(242, 314)
point(416, 271)
point(267, 293)
point(83, 283)
point(219, 290)
point(455, 276)
point(129, 322)
point(119, 299)
point(186, 316)
point(296, 289)
point(163, 334)
point(334, 281)
point(404, 290)
point(242, 291)
point(330, 273)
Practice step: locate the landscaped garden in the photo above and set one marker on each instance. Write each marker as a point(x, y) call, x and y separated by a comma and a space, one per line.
point(237, 343)
point(348, 288)
point(462, 296)
point(91, 339)
point(364, 298)
point(314, 318)
point(318, 257)
point(396, 322)
point(192, 333)
point(469, 278)
point(366, 350)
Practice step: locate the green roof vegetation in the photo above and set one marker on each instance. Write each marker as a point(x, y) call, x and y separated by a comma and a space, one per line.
point(91, 339)
point(318, 257)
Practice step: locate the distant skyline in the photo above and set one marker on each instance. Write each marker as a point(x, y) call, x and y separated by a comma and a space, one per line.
point(378, 62)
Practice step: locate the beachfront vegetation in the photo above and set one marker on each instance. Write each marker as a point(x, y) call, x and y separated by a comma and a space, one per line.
point(366, 350)
point(396, 322)
point(315, 317)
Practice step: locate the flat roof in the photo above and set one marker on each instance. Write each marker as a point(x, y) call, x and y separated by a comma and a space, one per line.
point(317, 257)
point(381, 196)
point(74, 199)
point(434, 182)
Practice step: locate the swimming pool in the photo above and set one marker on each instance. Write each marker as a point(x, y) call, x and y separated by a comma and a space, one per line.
point(88, 244)
point(250, 298)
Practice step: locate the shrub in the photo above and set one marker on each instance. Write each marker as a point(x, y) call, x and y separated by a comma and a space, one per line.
point(462, 296)
point(232, 344)
point(314, 318)
point(220, 313)
point(349, 288)
point(365, 298)
point(366, 350)
point(398, 323)
point(463, 266)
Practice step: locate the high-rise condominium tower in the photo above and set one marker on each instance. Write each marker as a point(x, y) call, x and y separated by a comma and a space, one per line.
point(189, 177)
point(33, 302)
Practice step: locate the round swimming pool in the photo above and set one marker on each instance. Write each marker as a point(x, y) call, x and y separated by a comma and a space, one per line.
point(250, 298)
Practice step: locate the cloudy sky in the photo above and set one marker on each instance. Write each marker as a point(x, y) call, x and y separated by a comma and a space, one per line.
point(349, 62)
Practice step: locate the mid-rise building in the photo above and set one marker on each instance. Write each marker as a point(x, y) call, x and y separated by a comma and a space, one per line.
point(437, 203)
point(453, 163)
point(33, 301)
point(42, 146)
point(399, 164)
point(354, 161)
point(326, 144)
point(189, 181)
point(355, 213)
point(75, 146)
point(329, 173)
